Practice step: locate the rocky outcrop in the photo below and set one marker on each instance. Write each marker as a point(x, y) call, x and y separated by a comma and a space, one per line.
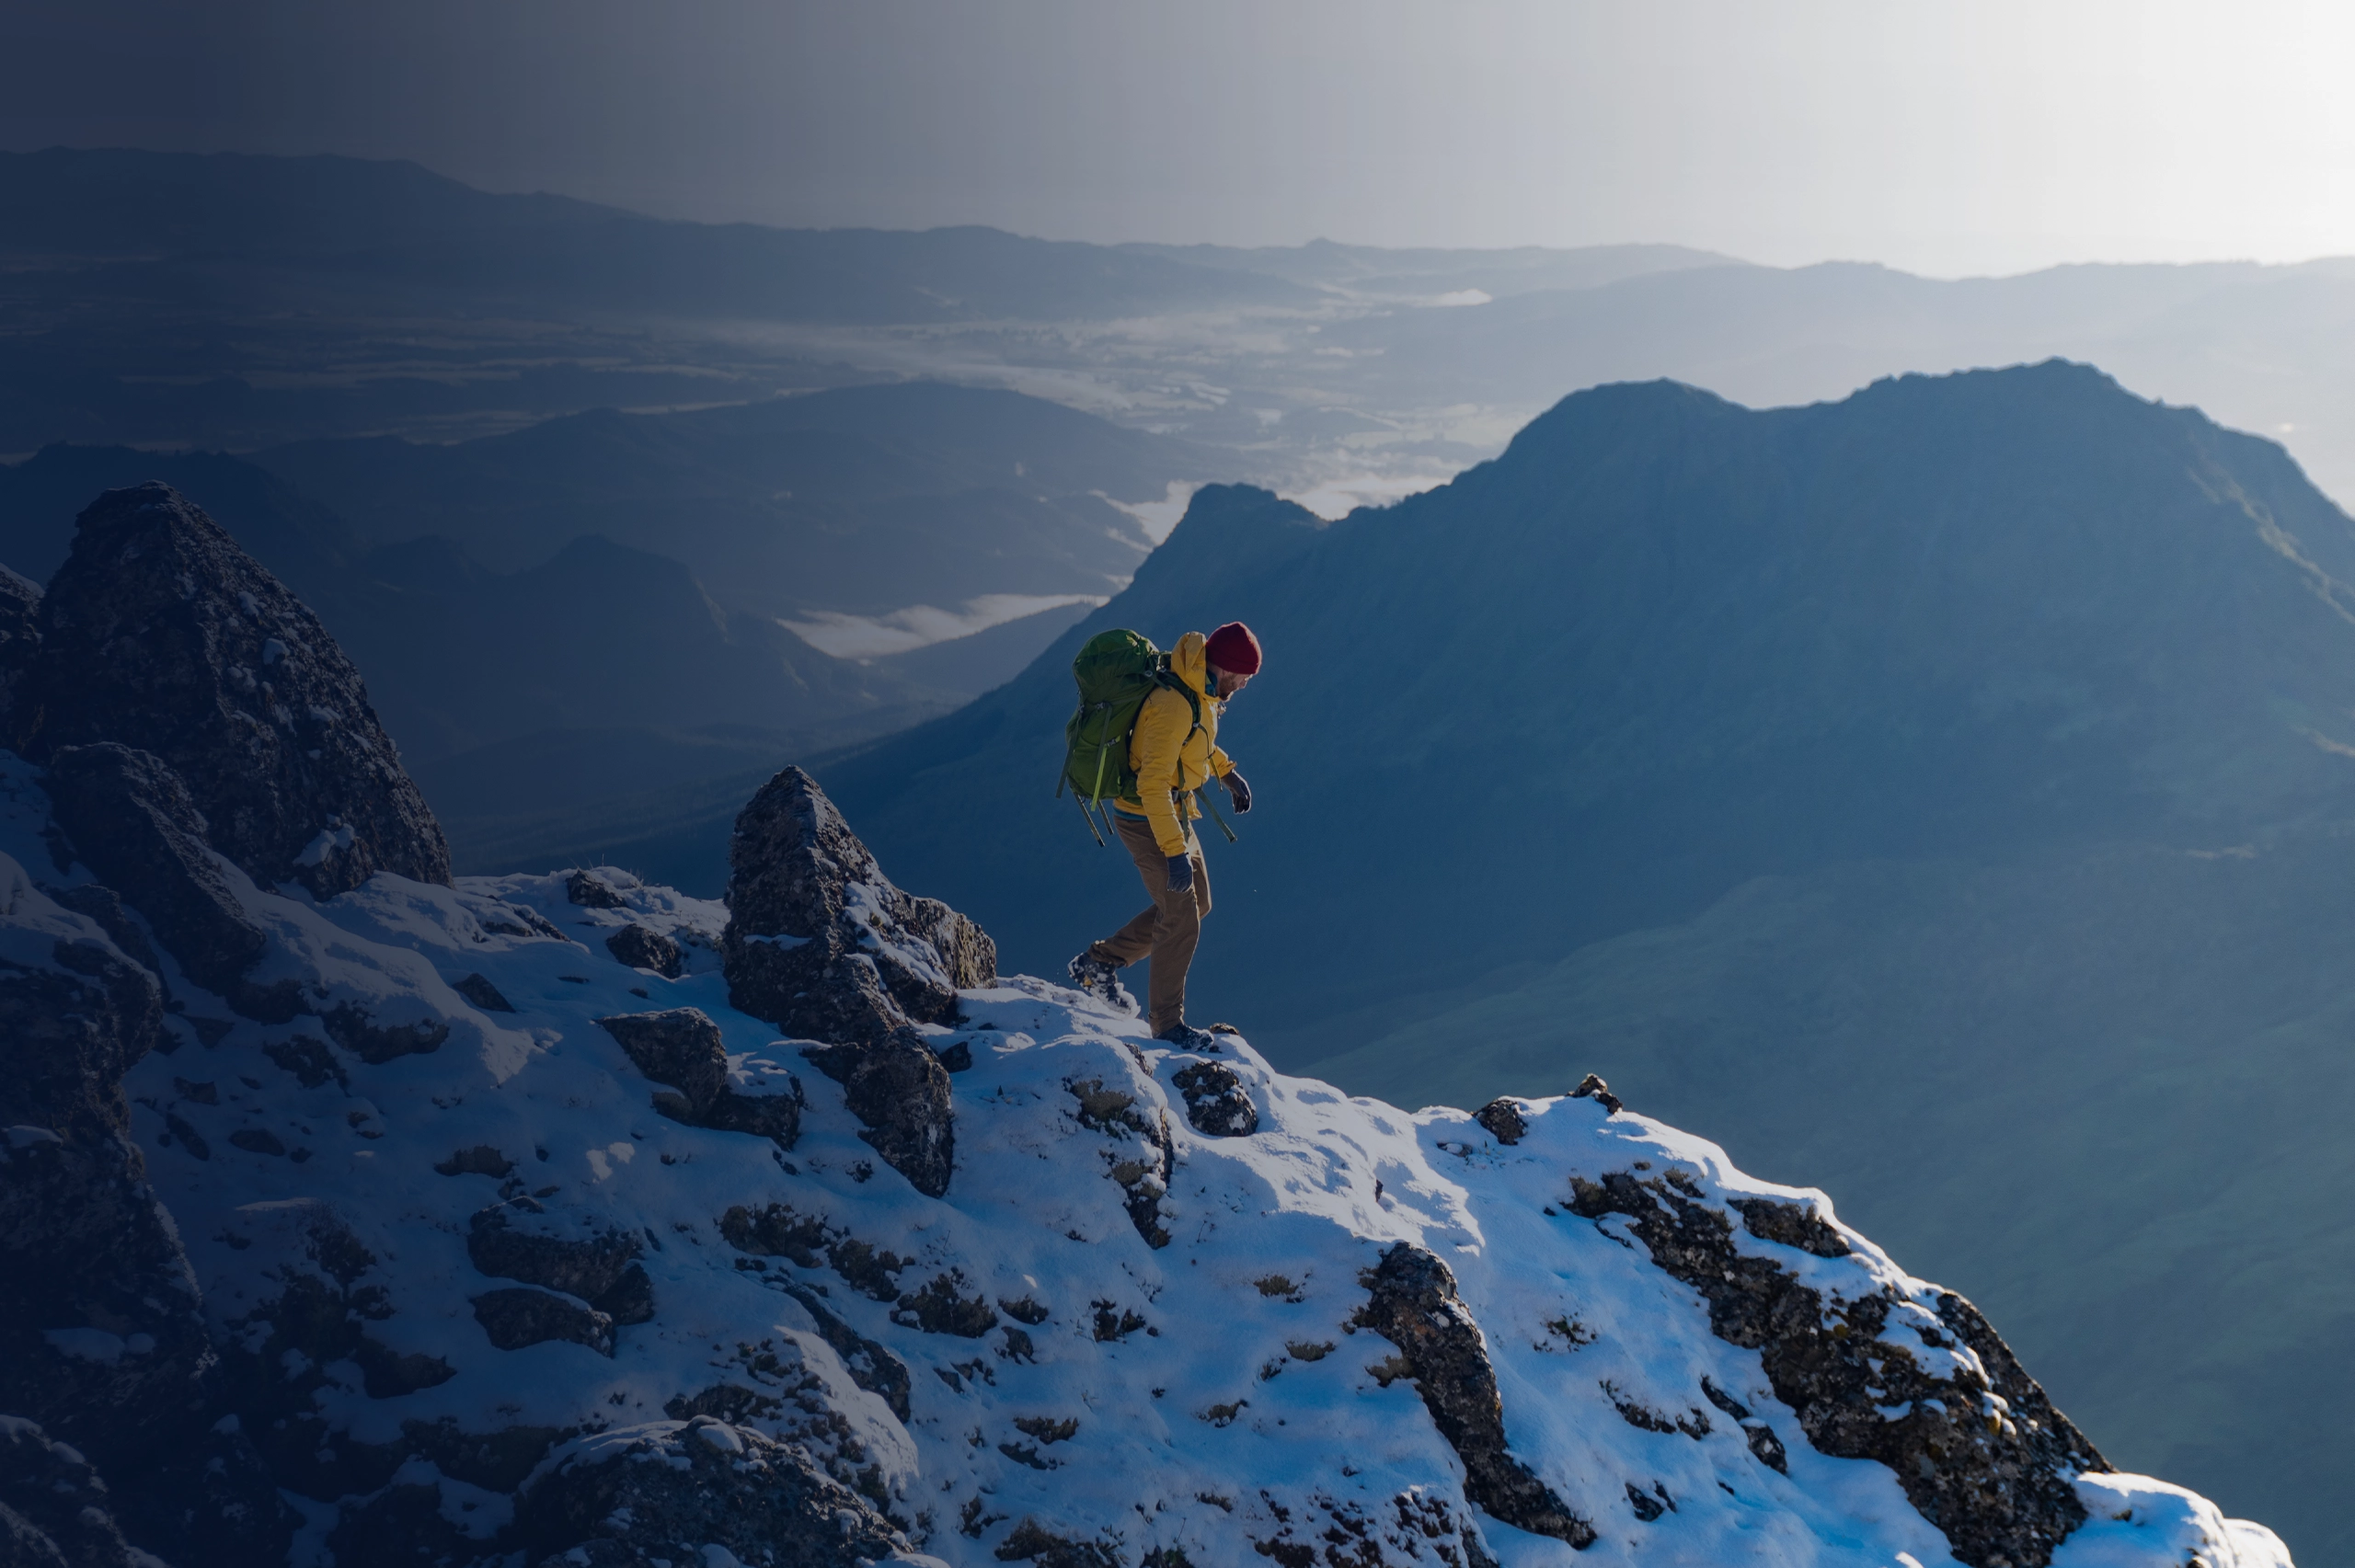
point(690, 1491)
point(1414, 1305)
point(102, 1336)
point(519, 1240)
point(1978, 1448)
point(517, 1316)
point(681, 1048)
point(811, 915)
point(55, 1510)
point(641, 948)
point(819, 942)
point(160, 634)
point(1143, 1179)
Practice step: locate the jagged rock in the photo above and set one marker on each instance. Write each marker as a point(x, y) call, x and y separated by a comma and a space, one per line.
point(102, 1336)
point(807, 903)
point(1414, 1305)
point(159, 632)
point(19, 642)
point(642, 947)
point(683, 1048)
point(601, 1266)
point(678, 1489)
point(1216, 1102)
point(900, 1091)
point(55, 1507)
point(519, 1316)
point(1997, 1478)
point(591, 892)
point(101, 904)
point(478, 989)
point(132, 821)
point(1503, 1119)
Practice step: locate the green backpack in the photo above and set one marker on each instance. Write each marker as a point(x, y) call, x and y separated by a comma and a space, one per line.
point(1116, 672)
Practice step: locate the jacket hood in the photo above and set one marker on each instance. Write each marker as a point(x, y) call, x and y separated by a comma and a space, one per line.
point(1190, 663)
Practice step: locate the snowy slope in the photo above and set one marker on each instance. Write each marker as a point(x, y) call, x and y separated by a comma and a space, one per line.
point(1072, 1393)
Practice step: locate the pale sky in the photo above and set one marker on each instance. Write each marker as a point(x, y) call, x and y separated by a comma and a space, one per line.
point(1943, 138)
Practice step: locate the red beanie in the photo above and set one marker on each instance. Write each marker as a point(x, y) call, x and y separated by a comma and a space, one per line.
point(1232, 648)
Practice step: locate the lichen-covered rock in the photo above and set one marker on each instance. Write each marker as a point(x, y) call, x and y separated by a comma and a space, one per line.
point(159, 632)
point(807, 902)
point(519, 1239)
point(1978, 1448)
point(131, 819)
point(676, 1489)
point(1413, 1304)
point(641, 948)
point(1216, 1102)
point(681, 1048)
point(519, 1316)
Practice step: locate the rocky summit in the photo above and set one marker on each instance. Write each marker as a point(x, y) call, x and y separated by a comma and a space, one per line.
point(565, 1221)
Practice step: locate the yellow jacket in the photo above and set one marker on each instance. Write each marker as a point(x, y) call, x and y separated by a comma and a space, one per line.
point(1169, 754)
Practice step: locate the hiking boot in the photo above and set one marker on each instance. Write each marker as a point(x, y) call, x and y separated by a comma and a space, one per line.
point(1102, 982)
point(1224, 1029)
point(1186, 1037)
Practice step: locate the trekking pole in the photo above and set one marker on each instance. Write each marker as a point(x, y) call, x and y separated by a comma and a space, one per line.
point(1089, 819)
point(1203, 794)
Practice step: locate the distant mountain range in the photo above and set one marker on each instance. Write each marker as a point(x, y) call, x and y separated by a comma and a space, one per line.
point(1938, 795)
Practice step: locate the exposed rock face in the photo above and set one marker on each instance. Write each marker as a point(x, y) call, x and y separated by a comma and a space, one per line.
point(1216, 1102)
point(1503, 1118)
point(642, 948)
point(159, 632)
point(809, 910)
point(130, 821)
point(819, 942)
point(1984, 1457)
point(683, 1048)
point(102, 1336)
point(519, 1316)
point(19, 641)
point(1414, 1306)
point(676, 1489)
point(54, 1509)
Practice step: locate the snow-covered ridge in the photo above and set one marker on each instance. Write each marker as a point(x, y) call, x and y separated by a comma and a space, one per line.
point(1011, 1370)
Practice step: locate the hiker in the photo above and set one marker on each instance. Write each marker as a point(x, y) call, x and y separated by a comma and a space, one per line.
point(1174, 753)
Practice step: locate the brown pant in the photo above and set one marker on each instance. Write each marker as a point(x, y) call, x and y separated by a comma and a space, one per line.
point(1167, 929)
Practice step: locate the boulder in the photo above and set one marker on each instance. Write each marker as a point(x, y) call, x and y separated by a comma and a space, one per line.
point(1216, 1102)
point(159, 632)
point(1414, 1305)
point(2002, 1487)
point(131, 819)
point(642, 947)
point(519, 1239)
point(695, 1491)
point(807, 903)
point(681, 1048)
point(899, 1090)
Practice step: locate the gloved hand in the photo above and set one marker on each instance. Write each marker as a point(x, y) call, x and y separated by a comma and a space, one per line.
point(1181, 873)
point(1239, 791)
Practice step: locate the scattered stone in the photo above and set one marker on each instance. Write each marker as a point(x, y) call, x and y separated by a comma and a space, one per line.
point(519, 1316)
point(957, 1058)
point(642, 947)
point(478, 989)
point(939, 1308)
point(257, 1141)
point(1414, 1305)
point(159, 632)
point(593, 892)
point(308, 1058)
point(1216, 1102)
point(724, 1488)
point(1029, 1542)
point(482, 1159)
point(1503, 1119)
point(356, 1031)
point(682, 1048)
point(2000, 1486)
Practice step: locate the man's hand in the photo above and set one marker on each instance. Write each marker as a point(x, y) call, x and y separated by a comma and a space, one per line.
point(1239, 791)
point(1181, 873)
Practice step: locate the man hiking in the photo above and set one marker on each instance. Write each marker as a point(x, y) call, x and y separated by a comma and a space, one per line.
point(1174, 755)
